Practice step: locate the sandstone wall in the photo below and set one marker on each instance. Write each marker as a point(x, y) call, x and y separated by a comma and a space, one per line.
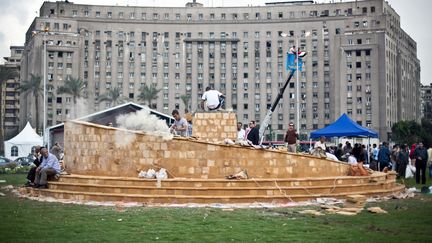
point(92, 149)
point(215, 126)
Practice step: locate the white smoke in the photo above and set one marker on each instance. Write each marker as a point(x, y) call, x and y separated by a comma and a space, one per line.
point(123, 138)
point(144, 121)
point(80, 109)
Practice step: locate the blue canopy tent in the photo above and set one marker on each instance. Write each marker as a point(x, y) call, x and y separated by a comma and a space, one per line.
point(344, 127)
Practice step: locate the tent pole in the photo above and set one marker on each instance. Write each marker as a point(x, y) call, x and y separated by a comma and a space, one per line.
point(368, 148)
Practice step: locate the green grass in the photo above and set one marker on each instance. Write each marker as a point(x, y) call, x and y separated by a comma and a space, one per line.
point(24, 220)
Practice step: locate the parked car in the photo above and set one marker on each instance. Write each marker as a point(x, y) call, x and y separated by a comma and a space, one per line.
point(4, 161)
point(23, 161)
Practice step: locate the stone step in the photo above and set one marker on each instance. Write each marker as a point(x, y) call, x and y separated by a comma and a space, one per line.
point(206, 183)
point(273, 190)
point(202, 199)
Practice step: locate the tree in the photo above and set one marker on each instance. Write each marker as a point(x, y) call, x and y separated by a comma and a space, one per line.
point(405, 132)
point(410, 132)
point(74, 87)
point(7, 73)
point(186, 98)
point(33, 87)
point(113, 96)
point(148, 93)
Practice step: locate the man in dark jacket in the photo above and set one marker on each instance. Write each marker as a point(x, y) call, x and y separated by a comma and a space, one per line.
point(402, 161)
point(31, 175)
point(253, 135)
point(291, 138)
point(384, 157)
point(421, 157)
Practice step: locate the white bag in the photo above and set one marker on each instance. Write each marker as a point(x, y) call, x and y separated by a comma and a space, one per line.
point(150, 174)
point(410, 171)
point(161, 174)
point(142, 174)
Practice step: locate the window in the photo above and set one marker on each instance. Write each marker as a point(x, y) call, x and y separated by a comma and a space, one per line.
point(14, 151)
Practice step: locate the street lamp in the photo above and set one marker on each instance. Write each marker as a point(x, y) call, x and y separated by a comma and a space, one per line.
point(297, 85)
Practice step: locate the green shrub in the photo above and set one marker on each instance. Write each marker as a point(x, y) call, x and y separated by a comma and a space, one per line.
point(14, 169)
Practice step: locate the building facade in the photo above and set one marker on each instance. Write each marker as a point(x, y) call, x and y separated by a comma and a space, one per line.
point(426, 101)
point(359, 61)
point(10, 96)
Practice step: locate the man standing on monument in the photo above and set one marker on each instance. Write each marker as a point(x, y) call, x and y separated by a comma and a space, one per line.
point(291, 138)
point(180, 125)
point(253, 135)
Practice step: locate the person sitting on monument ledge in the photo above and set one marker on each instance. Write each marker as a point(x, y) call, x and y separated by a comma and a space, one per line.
point(49, 166)
point(212, 99)
point(32, 172)
point(180, 125)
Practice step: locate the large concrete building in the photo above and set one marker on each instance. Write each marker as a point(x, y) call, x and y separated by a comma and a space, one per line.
point(359, 62)
point(426, 101)
point(10, 96)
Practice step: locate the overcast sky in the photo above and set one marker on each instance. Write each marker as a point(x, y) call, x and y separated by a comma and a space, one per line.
point(17, 15)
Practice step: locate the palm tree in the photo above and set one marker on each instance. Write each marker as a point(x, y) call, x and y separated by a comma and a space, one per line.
point(148, 93)
point(74, 87)
point(186, 98)
point(113, 96)
point(34, 87)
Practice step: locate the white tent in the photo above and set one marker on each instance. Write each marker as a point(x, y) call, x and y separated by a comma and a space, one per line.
point(21, 145)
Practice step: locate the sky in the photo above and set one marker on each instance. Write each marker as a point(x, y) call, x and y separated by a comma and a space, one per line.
point(17, 15)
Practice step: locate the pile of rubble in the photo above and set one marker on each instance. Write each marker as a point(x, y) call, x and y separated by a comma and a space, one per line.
point(353, 205)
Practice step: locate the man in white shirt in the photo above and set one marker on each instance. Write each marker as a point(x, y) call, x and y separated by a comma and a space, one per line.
point(351, 159)
point(240, 131)
point(212, 98)
point(321, 144)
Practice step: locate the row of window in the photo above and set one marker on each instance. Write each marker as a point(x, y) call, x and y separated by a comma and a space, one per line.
point(221, 16)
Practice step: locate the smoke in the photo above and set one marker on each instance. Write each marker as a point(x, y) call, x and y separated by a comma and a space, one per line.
point(123, 138)
point(144, 121)
point(80, 109)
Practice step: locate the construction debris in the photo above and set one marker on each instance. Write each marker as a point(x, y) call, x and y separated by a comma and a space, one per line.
point(241, 175)
point(355, 201)
point(377, 210)
point(346, 213)
point(311, 212)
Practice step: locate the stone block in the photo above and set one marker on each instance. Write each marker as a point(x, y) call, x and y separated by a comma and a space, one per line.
point(210, 163)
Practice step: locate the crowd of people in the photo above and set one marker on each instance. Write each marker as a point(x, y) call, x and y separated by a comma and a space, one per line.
point(379, 157)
